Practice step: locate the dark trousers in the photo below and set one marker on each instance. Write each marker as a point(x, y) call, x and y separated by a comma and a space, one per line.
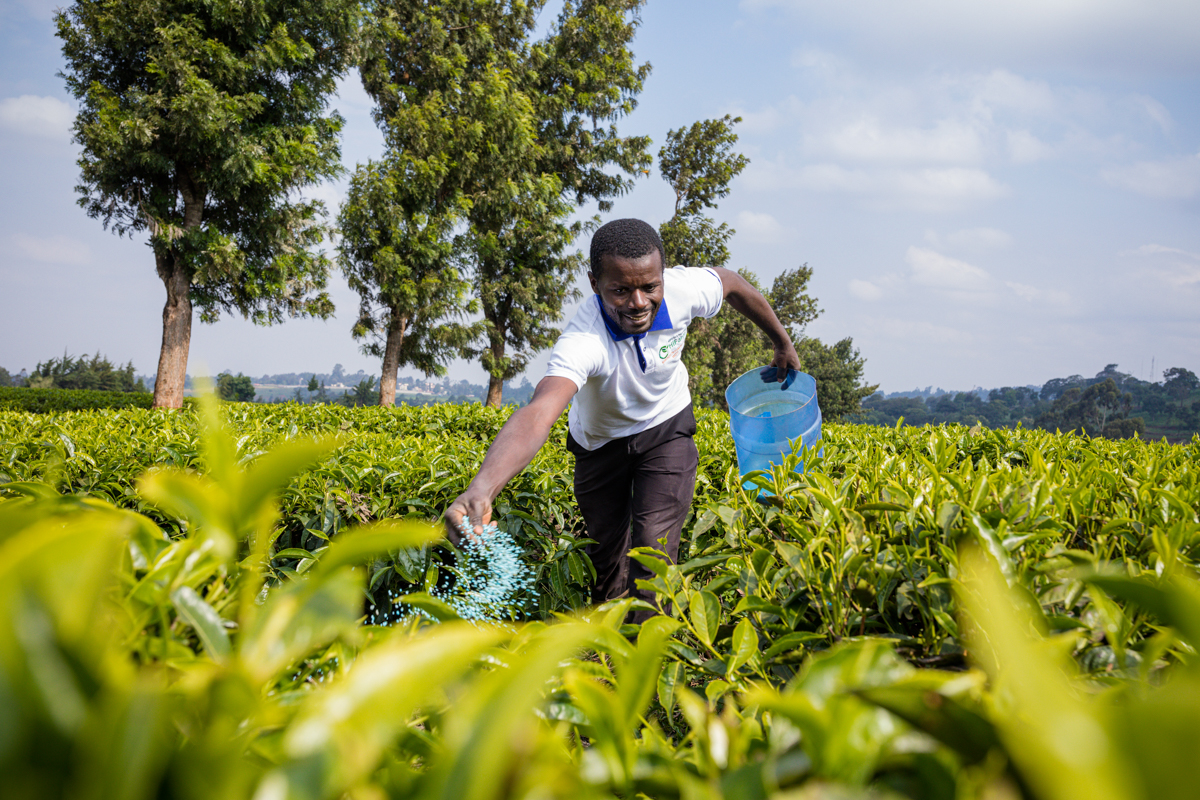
point(634, 491)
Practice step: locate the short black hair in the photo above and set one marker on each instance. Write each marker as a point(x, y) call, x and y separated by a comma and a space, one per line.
point(625, 238)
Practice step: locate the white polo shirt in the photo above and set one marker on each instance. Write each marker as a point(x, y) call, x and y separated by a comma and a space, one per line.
point(629, 383)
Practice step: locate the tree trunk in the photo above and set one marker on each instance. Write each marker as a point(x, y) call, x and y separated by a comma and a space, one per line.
point(391, 359)
point(495, 395)
point(177, 333)
point(177, 313)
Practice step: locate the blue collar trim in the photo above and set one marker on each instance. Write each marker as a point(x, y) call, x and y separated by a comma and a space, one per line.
point(662, 322)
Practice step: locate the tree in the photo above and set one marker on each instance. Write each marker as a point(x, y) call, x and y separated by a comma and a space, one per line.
point(199, 124)
point(364, 394)
point(1179, 383)
point(312, 383)
point(398, 257)
point(1088, 410)
point(698, 163)
point(1056, 387)
point(237, 389)
point(578, 81)
point(838, 371)
point(524, 275)
point(442, 77)
point(97, 373)
point(1125, 428)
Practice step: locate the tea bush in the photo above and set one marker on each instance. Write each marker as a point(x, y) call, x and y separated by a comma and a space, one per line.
point(925, 613)
point(52, 401)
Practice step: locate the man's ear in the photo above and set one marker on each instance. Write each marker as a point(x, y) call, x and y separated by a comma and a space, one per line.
point(592, 281)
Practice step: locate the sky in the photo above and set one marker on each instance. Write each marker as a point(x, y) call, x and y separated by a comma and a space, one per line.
point(988, 194)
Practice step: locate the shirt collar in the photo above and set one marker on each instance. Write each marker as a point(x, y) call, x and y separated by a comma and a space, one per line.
point(662, 322)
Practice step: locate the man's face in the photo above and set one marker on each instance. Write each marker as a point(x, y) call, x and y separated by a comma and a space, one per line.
point(631, 290)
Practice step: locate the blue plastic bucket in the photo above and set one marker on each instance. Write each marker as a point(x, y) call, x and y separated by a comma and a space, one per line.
point(765, 419)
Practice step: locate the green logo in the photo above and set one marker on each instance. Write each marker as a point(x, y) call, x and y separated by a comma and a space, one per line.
point(665, 350)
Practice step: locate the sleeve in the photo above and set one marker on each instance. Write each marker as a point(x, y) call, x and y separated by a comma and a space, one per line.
point(703, 289)
point(576, 355)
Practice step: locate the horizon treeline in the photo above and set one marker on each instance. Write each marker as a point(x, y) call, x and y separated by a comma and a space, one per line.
point(1112, 404)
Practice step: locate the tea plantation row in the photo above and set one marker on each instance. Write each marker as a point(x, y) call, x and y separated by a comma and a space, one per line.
point(925, 612)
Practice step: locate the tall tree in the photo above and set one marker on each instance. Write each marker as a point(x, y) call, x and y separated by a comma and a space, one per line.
point(524, 274)
point(699, 163)
point(579, 80)
point(200, 123)
point(400, 262)
point(443, 79)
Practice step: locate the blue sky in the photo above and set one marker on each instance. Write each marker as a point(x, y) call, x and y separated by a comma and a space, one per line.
point(989, 194)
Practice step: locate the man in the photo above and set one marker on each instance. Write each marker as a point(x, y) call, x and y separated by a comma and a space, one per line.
point(631, 425)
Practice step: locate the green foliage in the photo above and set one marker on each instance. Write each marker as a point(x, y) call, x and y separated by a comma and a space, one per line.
point(838, 371)
point(396, 252)
point(696, 241)
point(364, 393)
point(1179, 382)
point(201, 124)
point(1111, 404)
point(1088, 410)
point(53, 401)
point(198, 123)
point(485, 125)
point(235, 389)
point(721, 349)
point(96, 373)
point(699, 163)
point(451, 118)
point(577, 82)
point(923, 613)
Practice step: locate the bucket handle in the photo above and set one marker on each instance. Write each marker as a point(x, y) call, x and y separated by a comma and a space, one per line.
point(770, 374)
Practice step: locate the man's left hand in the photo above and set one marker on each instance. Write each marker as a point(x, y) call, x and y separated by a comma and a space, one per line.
point(784, 367)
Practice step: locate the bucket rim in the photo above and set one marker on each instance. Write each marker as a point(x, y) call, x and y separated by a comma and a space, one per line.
point(812, 398)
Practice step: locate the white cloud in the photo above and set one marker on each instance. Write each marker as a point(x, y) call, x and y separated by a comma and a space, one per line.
point(910, 330)
point(1033, 294)
point(981, 238)
point(865, 290)
point(866, 139)
point(971, 239)
point(1176, 178)
point(767, 120)
point(931, 268)
point(757, 227)
point(1155, 249)
point(31, 115)
point(1181, 268)
point(1142, 34)
point(1007, 90)
point(53, 250)
point(912, 189)
point(1155, 111)
point(1025, 148)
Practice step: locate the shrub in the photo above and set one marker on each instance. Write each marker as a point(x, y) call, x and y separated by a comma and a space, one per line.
point(52, 401)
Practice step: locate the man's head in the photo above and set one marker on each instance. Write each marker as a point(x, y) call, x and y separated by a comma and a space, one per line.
point(627, 272)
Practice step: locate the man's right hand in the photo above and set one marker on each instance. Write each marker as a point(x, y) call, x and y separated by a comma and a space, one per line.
point(512, 450)
point(474, 505)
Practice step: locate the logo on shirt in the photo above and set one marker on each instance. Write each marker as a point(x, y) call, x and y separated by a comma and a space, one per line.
point(673, 347)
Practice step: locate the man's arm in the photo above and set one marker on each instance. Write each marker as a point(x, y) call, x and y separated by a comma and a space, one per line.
point(514, 447)
point(750, 303)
